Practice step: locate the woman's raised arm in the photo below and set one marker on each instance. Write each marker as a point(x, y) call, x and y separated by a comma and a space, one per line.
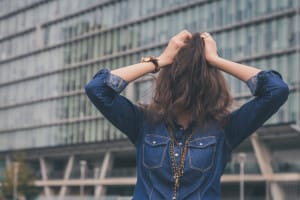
point(268, 86)
point(132, 72)
point(240, 71)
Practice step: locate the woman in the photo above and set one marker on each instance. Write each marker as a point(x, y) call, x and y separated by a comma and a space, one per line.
point(184, 138)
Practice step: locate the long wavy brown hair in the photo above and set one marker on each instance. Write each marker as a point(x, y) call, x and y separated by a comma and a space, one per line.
point(190, 85)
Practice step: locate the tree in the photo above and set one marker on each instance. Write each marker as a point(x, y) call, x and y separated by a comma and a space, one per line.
point(25, 180)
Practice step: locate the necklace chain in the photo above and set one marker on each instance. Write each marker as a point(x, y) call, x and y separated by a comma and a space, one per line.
point(177, 170)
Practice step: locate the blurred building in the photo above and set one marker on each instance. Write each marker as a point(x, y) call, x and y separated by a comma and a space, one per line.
point(49, 49)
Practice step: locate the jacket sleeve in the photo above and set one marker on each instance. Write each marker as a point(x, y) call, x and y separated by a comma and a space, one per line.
point(104, 92)
point(270, 93)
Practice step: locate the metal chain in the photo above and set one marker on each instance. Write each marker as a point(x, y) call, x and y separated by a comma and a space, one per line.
point(177, 170)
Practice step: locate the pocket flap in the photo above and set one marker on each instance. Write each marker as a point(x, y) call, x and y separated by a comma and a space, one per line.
point(203, 142)
point(156, 140)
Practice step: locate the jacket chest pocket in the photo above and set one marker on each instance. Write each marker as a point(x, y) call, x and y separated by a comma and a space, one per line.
point(201, 153)
point(154, 151)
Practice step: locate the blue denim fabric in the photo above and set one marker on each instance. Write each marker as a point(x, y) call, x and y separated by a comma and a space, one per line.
point(208, 152)
point(116, 83)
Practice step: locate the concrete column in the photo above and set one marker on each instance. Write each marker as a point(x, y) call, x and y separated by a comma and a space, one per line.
point(67, 174)
point(263, 156)
point(43, 166)
point(106, 164)
point(7, 161)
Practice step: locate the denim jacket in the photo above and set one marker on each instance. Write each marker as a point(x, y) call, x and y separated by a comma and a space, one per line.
point(208, 151)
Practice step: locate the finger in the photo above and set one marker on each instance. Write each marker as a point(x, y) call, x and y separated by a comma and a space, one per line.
point(183, 35)
point(179, 43)
point(205, 35)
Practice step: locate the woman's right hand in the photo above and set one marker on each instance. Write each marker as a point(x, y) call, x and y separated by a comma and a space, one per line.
point(211, 51)
point(174, 45)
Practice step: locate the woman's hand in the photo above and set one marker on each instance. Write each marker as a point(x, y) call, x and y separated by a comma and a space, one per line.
point(175, 44)
point(210, 47)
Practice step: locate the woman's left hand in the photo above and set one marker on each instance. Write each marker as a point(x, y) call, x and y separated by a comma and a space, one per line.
point(211, 51)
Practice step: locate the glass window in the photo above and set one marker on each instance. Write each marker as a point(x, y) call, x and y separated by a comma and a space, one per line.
point(151, 31)
point(269, 6)
point(115, 40)
point(268, 36)
point(293, 69)
point(87, 131)
point(106, 130)
point(136, 36)
point(172, 24)
point(113, 64)
point(238, 10)
point(99, 133)
point(238, 43)
point(291, 3)
point(248, 9)
point(101, 44)
point(249, 40)
point(108, 43)
point(142, 7)
point(179, 21)
point(210, 15)
point(69, 136)
point(96, 49)
point(143, 91)
point(164, 34)
point(81, 132)
point(84, 50)
point(292, 34)
point(108, 19)
point(279, 39)
point(75, 133)
point(220, 15)
point(124, 37)
point(258, 7)
point(258, 40)
point(82, 107)
point(143, 33)
point(90, 47)
point(93, 130)
point(243, 42)
point(203, 12)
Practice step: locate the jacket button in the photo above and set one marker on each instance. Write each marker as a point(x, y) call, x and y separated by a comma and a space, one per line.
point(154, 142)
point(200, 143)
point(176, 154)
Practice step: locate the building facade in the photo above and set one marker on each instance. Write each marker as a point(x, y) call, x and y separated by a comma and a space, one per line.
point(49, 49)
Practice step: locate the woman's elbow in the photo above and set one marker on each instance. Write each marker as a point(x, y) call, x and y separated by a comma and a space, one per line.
point(89, 89)
point(99, 94)
point(93, 91)
point(282, 92)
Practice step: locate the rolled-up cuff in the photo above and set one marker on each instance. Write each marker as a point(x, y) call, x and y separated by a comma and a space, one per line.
point(254, 82)
point(115, 82)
